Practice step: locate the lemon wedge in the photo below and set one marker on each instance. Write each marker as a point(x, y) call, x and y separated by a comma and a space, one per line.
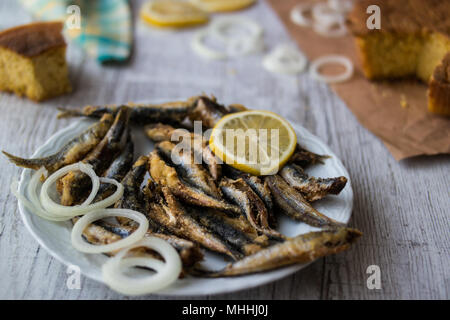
point(172, 14)
point(222, 5)
point(257, 142)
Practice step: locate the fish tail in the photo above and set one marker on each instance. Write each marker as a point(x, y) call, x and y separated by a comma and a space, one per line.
point(28, 163)
point(67, 113)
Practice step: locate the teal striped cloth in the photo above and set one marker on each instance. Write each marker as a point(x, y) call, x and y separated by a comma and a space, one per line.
point(105, 28)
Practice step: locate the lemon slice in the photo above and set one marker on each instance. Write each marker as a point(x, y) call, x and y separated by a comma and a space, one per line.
point(257, 142)
point(222, 5)
point(172, 14)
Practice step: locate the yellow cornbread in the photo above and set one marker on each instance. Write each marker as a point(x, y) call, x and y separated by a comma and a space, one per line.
point(32, 61)
point(413, 39)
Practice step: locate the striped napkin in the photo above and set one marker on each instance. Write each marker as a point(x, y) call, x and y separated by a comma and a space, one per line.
point(104, 29)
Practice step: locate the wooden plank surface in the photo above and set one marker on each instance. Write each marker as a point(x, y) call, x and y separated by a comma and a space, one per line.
point(402, 208)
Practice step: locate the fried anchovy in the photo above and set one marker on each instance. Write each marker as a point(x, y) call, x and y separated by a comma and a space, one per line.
point(301, 249)
point(257, 185)
point(132, 197)
point(208, 111)
point(117, 171)
point(304, 158)
point(311, 188)
point(236, 107)
point(294, 205)
point(240, 223)
point(165, 175)
point(73, 151)
point(161, 132)
point(102, 232)
point(75, 185)
point(176, 220)
point(140, 113)
point(253, 207)
point(189, 170)
point(227, 230)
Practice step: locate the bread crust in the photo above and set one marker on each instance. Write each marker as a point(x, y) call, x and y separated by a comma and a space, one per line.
point(33, 39)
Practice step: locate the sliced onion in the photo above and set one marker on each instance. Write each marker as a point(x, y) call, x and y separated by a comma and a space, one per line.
point(235, 45)
point(297, 14)
point(199, 46)
point(113, 269)
point(71, 211)
point(341, 5)
point(81, 245)
point(318, 63)
point(324, 15)
point(332, 30)
point(30, 206)
point(285, 59)
point(220, 27)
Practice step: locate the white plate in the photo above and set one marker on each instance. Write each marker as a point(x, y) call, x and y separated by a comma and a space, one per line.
point(55, 237)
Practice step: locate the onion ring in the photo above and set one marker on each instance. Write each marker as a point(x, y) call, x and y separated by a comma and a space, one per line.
point(297, 14)
point(234, 45)
point(327, 30)
point(30, 206)
point(285, 59)
point(220, 26)
point(316, 64)
point(324, 15)
point(83, 246)
point(198, 45)
point(71, 211)
point(341, 5)
point(114, 277)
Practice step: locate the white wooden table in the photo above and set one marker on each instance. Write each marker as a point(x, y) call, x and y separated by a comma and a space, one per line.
point(403, 207)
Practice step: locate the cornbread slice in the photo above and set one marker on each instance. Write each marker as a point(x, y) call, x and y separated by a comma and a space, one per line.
point(32, 61)
point(439, 89)
point(413, 39)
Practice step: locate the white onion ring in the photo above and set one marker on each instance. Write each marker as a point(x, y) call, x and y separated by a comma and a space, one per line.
point(316, 64)
point(71, 211)
point(328, 30)
point(234, 45)
point(324, 15)
point(198, 45)
point(341, 5)
point(285, 59)
point(83, 246)
point(30, 206)
point(297, 14)
point(114, 277)
point(220, 26)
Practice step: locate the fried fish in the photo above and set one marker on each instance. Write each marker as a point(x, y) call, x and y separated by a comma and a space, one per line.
point(165, 175)
point(190, 171)
point(162, 132)
point(301, 249)
point(75, 185)
point(295, 206)
point(140, 113)
point(73, 151)
point(312, 188)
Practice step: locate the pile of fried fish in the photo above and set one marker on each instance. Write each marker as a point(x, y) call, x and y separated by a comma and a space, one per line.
point(191, 205)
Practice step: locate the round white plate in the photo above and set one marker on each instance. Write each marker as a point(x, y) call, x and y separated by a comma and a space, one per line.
point(55, 236)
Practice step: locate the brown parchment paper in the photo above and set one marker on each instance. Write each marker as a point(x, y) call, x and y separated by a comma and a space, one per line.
point(407, 130)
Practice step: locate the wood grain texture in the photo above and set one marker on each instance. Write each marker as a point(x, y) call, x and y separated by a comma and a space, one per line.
point(402, 207)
